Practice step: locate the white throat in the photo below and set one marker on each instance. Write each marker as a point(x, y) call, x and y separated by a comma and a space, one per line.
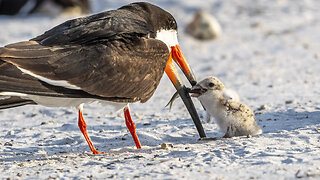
point(169, 37)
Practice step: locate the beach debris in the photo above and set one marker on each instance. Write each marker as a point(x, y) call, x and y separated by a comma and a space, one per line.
point(166, 146)
point(10, 133)
point(8, 144)
point(290, 102)
point(263, 107)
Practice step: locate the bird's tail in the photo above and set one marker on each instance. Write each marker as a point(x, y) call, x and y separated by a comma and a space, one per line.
point(13, 101)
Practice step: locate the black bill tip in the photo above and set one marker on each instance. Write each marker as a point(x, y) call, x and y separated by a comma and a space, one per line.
point(197, 91)
point(184, 94)
point(193, 83)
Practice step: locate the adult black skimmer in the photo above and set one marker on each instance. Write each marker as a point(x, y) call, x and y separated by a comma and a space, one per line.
point(116, 57)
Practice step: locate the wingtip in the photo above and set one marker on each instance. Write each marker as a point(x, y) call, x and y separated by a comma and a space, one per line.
point(11, 102)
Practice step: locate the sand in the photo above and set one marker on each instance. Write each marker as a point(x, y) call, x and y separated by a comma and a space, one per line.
point(268, 52)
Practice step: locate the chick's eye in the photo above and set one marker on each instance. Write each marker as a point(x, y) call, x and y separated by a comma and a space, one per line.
point(211, 84)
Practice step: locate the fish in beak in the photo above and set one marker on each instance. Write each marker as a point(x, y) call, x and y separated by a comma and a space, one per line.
point(177, 55)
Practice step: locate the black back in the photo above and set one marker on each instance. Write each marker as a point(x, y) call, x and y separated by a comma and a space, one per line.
point(136, 20)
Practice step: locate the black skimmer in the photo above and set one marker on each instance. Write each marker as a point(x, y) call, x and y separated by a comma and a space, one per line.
point(115, 57)
point(50, 7)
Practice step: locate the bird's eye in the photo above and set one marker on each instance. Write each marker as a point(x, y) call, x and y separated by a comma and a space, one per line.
point(211, 84)
point(172, 23)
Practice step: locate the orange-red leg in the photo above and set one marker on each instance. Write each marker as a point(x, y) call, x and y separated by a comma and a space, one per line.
point(83, 128)
point(131, 126)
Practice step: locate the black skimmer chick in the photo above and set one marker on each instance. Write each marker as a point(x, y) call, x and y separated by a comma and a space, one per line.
point(233, 118)
point(115, 57)
point(229, 95)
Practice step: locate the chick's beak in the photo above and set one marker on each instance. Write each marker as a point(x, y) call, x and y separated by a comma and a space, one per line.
point(197, 90)
point(172, 73)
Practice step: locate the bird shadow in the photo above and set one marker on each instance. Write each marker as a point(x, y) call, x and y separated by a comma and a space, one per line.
point(115, 143)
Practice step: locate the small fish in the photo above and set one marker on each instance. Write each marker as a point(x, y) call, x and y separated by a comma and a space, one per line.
point(174, 97)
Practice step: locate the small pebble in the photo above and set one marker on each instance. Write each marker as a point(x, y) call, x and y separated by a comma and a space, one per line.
point(113, 176)
point(33, 115)
point(124, 137)
point(10, 133)
point(255, 83)
point(69, 140)
point(46, 122)
point(164, 146)
point(21, 164)
point(249, 136)
point(8, 144)
point(68, 112)
point(263, 107)
point(255, 25)
point(290, 102)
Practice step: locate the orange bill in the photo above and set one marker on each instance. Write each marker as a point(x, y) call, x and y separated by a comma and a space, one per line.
point(172, 73)
point(180, 59)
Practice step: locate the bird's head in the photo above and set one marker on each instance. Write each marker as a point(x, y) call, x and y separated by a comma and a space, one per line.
point(156, 18)
point(209, 87)
point(164, 27)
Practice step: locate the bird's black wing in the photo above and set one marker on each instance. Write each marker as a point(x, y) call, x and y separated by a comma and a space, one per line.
point(125, 70)
point(102, 27)
point(13, 80)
